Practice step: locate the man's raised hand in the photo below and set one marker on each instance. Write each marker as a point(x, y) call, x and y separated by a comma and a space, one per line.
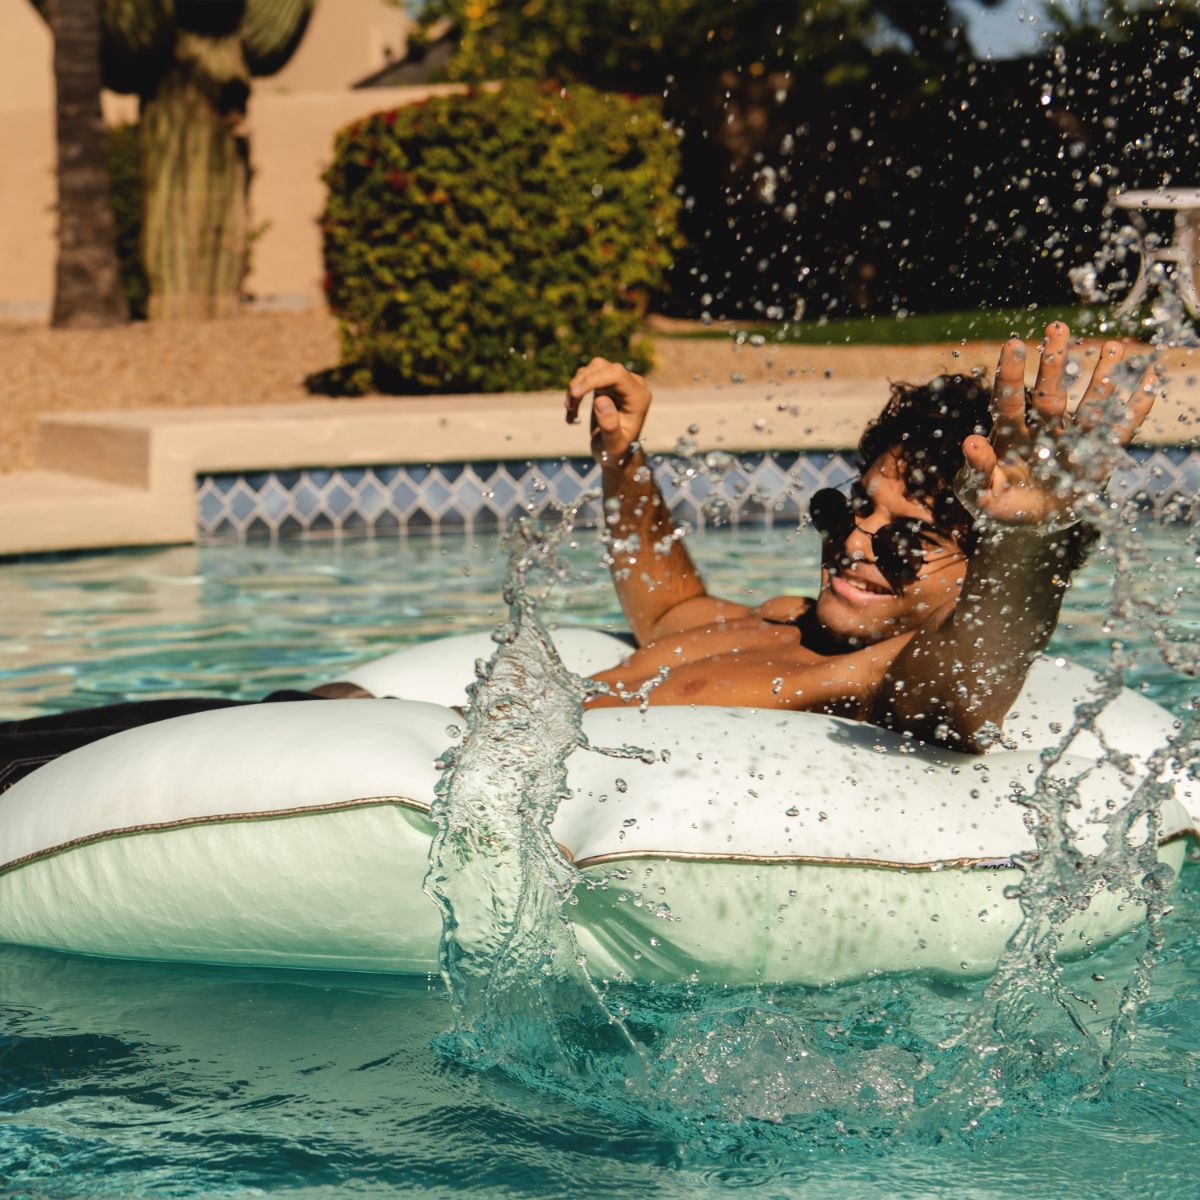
point(619, 407)
point(1031, 470)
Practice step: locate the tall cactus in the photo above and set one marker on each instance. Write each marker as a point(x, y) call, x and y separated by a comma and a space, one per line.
point(195, 152)
point(191, 63)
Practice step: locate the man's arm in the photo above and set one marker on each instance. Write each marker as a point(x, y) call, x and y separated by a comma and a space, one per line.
point(657, 583)
point(766, 678)
point(966, 666)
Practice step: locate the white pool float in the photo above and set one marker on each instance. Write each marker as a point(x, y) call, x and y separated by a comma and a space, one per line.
point(789, 847)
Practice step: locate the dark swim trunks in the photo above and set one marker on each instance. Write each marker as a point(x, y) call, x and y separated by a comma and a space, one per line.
point(31, 743)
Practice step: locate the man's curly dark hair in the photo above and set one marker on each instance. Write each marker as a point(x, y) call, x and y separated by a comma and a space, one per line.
point(926, 425)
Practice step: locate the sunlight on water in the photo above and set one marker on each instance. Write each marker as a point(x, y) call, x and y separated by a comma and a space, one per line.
point(145, 1080)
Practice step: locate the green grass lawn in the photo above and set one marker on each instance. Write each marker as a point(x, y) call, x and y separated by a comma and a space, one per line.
point(992, 324)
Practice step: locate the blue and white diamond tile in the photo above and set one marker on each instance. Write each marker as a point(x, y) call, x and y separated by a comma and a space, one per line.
point(243, 504)
point(469, 495)
point(756, 489)
point(435, 495)
point(306, 499)
point(210, 505)
point(339, 498)
point(372, 500)
point(504, 491)
point(273, 501)
point(403, 492)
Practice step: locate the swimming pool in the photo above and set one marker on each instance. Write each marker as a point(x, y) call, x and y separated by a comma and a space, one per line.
point(153, 1080)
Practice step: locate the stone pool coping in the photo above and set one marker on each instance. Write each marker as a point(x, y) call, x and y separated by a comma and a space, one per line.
point(128, 477)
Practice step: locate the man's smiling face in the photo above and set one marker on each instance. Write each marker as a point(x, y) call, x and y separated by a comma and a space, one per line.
point(857, 602)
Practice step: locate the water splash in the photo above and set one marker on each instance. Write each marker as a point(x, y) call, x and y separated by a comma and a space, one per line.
point(722, 1068)
point(520, 994)
point(1035, 1037)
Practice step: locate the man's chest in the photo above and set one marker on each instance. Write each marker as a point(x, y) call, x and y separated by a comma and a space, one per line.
point(749, 638)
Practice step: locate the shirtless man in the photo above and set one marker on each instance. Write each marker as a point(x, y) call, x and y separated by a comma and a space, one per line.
point(926, 621)
point(928, 617)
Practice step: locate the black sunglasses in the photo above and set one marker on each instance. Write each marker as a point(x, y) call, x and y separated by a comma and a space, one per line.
point(901, 547)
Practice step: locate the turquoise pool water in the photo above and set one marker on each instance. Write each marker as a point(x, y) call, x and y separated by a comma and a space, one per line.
point(126, 1079)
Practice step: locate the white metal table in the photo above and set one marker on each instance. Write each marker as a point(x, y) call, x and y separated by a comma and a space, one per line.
point(1183, 251)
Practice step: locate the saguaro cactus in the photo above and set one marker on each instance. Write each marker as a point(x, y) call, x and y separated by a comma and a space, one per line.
point(191, 63)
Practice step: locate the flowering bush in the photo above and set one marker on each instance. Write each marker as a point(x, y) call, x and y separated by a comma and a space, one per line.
point(495, 240)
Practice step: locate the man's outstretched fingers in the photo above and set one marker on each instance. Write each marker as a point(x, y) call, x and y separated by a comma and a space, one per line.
point(1101, 387)
point(1050, 388)
point(980, 457)
point(1008, 391)
point(1139, 406)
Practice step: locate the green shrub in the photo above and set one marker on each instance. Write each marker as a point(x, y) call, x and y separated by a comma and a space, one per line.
point(493, 241)
point(125, 180)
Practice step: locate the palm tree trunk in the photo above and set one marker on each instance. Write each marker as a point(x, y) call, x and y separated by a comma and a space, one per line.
point(196, 167)
point(87, 284)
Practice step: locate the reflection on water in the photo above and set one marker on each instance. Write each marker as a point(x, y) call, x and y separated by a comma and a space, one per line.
point(151, 1080)
point(137, 1079)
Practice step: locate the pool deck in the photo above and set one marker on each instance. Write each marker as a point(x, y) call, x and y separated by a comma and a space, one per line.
point(127, 477)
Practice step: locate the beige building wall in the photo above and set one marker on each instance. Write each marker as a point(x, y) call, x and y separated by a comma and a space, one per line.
point(293, 118)
point(291, 138)
point(27, 144)
point(26, 59)
point(346, 41)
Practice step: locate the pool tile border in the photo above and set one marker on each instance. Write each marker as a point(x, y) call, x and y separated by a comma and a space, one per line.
point(139, 477)
point(765, 489)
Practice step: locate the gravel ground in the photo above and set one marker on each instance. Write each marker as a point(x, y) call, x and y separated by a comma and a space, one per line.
point(246, 360)
point(264, 358)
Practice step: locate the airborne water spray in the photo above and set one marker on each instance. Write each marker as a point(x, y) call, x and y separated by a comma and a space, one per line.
point(715, 1067)
point(520, 991)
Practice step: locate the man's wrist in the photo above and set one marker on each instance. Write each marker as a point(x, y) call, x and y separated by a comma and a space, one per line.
point(622, 465)
point(1027, 548)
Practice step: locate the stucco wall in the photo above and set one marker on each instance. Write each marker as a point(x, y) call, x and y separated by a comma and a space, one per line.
point(26, 178)
point(346, 41)
point(291, 145)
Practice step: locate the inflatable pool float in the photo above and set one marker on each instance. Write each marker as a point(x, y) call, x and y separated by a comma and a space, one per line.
point(774, 846)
